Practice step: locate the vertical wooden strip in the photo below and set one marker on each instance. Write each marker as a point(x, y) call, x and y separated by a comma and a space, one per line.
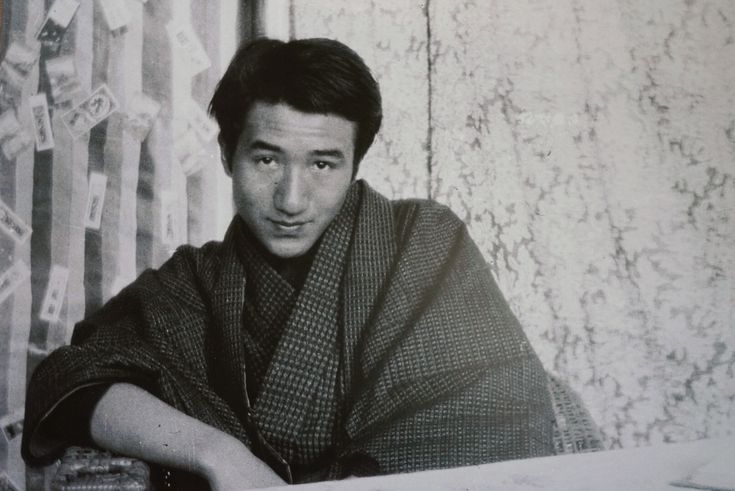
point(72, 197)
point(13, 196)
point(230, 37)
point(249, 19)
point(110, 258)
point(59, 199)
point(126, 83)
point(203, 186)
point(24, 186)
point(157, 151)
point(196, 184)
point(180, 87)
point(4, 26)
point(41, 238)
point(16, 189)
point(94, 258)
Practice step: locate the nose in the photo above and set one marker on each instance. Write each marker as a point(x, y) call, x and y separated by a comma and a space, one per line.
point(290, 197)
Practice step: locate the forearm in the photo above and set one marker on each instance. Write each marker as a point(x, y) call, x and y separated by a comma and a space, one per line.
point(130, 421)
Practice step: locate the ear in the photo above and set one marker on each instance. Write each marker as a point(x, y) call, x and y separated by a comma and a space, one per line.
point(355, 169)
point(226, 165)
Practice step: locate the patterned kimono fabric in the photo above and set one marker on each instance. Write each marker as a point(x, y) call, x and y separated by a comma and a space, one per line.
point(399, 352)
point(292, 347)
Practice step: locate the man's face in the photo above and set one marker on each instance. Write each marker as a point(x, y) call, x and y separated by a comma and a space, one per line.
point(290, 175)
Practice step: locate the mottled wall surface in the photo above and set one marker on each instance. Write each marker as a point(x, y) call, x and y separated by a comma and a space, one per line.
point(590, 146)
point(391, 36)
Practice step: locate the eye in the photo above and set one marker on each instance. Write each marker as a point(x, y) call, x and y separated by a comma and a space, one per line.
point(265, 160)
point(323, 165)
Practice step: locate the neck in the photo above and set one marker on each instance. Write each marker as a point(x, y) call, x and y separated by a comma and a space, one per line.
point(292, 269)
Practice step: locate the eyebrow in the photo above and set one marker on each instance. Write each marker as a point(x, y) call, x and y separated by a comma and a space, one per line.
point(337, 154)
point(262, 145)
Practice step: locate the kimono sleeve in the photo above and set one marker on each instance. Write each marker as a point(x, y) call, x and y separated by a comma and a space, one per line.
point(127, 340)
point(449, 376)
point(502, 414)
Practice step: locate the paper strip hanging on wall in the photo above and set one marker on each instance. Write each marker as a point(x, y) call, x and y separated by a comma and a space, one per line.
point(141, 112)
point(188, 46)
point(172, 226)
point(13, 138)
point(14, 70)
point(190, 143)
point(13, 225)
point(63, 79)
point(55, 293)
point(12, 148)
point(95, 200)
point(57, 20)
point(9, 125)
point(12, 278)
point(201, 123)
point(41, 122)
point(116, 13)
point(188, 152)
point(12, 425)
point(11, 86)
point(168, 227)
point(20, 58)
point(92, 110)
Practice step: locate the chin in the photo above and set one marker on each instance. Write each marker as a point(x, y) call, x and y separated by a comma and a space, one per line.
point(288, 251)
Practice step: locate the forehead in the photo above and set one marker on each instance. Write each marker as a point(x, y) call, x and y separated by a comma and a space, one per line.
point(291, 129)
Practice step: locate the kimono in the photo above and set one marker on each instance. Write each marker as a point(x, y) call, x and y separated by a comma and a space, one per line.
point(397, 354)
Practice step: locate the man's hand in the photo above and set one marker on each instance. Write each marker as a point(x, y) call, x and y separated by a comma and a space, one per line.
point(130, 421)
point(229, 465)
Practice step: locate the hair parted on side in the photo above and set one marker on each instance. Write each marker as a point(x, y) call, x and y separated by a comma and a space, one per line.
point(311, 75)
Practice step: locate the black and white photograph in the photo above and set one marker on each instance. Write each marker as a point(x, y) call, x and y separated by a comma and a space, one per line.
point(367, 245)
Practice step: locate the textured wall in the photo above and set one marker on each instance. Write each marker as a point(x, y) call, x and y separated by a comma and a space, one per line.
point(590, 146)
point(391, 36)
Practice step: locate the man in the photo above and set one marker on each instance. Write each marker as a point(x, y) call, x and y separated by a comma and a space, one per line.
point(332, 333)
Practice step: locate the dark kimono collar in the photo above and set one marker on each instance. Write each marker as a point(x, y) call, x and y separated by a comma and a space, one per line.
point(250, 251)
point(297, 336)
point(365, 235)
point(299, 400)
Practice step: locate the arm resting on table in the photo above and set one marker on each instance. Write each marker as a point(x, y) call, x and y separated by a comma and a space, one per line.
point(130, 421)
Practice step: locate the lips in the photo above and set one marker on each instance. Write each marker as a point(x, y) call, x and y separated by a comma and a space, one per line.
point(288, 226)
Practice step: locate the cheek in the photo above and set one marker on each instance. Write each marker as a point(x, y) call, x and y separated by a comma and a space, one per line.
point(251, 199)
point(245, 196)
point(250, 187)
point(334, 200)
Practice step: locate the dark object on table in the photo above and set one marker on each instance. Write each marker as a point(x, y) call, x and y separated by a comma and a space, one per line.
point(88, 469)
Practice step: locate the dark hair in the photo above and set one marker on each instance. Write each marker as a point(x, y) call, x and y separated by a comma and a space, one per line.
point(311, 75)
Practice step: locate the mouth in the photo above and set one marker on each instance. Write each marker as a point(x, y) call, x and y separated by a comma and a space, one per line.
point(288, 226)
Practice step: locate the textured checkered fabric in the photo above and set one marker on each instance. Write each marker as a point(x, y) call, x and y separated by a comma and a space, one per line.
point(292, 342)
point(269, 301)
point(404, 356)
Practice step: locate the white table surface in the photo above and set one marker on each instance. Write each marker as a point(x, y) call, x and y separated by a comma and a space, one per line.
point(644, 468)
